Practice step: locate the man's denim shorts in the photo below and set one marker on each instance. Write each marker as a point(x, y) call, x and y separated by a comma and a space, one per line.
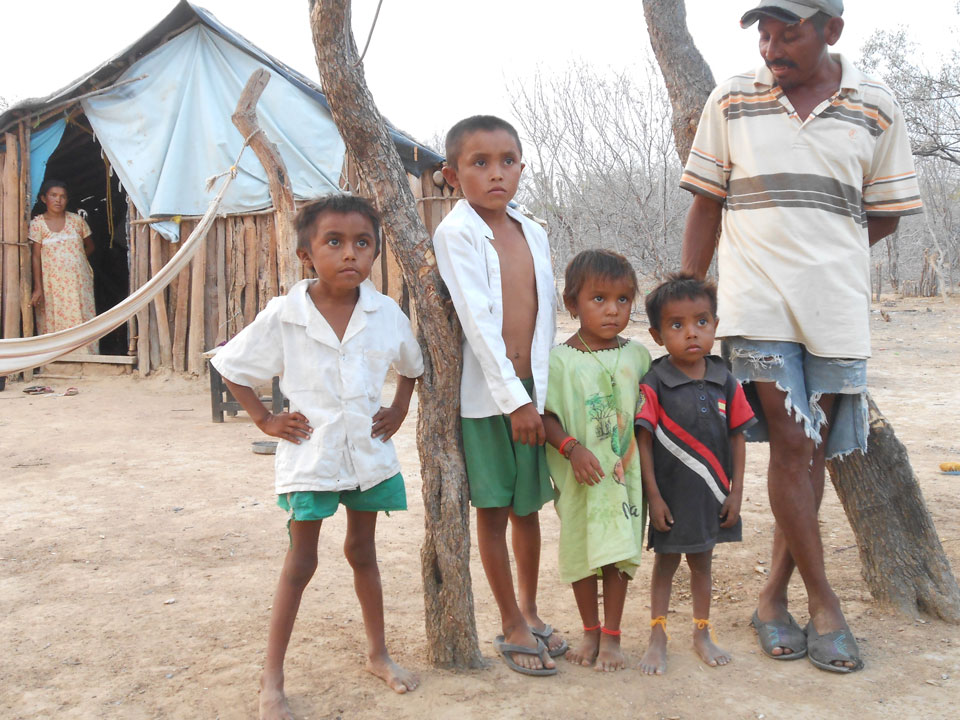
point(804, 377)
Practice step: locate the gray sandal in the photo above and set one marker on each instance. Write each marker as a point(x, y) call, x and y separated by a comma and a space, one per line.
point(775, 634)
point(545, 636)
point(831, 647)
point(504, 647)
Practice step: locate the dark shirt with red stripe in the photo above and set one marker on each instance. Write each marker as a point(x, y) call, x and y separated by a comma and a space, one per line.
point(691, 422)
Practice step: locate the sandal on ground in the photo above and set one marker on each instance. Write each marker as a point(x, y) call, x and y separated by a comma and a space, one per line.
point(837, 646)
point(38, 390)
point(545, 636)
point(775, 634)
point(505, 648)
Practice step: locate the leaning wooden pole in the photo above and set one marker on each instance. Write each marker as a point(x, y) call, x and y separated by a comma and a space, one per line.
point(903, 561)
point(445, 554)
point(281, 191)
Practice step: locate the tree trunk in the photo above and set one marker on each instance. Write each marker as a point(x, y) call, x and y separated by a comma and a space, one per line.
point(903, 561)
point(685, 73)
point(445, 555)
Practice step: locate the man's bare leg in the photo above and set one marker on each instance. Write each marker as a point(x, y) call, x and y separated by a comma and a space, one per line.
point(361, 552)
point(492, 543)
point(773, 603)
point(795, 505)
point(298, 567)
point(525, 537)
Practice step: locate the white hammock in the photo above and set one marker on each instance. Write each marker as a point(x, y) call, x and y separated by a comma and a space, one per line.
point(18, 354)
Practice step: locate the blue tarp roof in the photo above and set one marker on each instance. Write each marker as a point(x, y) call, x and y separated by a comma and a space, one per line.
point(416, 157)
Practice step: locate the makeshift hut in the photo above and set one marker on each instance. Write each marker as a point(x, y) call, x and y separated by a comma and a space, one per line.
point(136, 140)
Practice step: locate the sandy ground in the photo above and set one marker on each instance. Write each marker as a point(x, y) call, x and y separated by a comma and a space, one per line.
point(140, 545)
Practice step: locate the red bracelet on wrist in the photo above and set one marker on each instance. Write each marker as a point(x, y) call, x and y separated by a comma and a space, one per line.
point(568, 441)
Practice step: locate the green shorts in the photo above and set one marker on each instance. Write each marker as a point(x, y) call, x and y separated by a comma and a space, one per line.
point(316, 505)
point(502, 473)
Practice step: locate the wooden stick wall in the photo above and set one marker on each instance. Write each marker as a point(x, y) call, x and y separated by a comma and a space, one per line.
point(230, 279)
point(16, 271)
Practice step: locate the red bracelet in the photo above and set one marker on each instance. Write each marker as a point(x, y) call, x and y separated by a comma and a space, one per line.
point(569, 439)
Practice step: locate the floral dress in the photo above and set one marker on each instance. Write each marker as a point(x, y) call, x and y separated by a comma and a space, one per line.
point(594, 396)
point(67, 275)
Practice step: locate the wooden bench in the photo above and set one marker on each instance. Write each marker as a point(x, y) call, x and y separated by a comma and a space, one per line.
point(222, 400)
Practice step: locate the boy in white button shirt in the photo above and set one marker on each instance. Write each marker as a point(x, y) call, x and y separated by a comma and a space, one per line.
point(331, 340)
point(496, 265)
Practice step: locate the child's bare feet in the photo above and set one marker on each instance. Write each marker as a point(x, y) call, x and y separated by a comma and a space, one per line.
point(654, 660)
point(708, 652)
point(585, 653)
point(273, 703)
point(397, 678)
point(610, 657)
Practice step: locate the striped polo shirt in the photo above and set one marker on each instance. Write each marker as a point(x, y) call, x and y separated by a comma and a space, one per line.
point(793, 256)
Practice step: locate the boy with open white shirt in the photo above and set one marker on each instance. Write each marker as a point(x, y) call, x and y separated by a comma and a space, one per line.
point(331, 340)
point(496, 265)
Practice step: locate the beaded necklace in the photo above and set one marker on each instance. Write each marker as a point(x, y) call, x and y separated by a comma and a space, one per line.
point(618, 447)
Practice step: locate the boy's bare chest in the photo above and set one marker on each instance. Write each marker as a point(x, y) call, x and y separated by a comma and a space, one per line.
point(516, 262)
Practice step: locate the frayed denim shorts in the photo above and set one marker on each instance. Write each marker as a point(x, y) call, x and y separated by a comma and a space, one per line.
point(804, 377)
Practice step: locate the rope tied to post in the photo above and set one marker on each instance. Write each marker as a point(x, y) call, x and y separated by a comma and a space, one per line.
point(233, 169)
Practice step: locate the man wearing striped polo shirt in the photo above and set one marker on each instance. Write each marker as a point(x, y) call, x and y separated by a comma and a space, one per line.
point(800, 167)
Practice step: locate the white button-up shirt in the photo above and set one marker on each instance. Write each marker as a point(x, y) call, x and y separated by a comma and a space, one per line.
point(470, 267)
point(335, 384)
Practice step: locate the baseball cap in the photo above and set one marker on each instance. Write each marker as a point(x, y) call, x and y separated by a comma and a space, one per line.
point(791, 11)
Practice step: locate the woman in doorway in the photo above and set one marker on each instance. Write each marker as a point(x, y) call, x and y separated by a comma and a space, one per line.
point(62, 276)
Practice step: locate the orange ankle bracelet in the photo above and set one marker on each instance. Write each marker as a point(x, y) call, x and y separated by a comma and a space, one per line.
point(591, 629)
point(607, 631)
point(662, 622)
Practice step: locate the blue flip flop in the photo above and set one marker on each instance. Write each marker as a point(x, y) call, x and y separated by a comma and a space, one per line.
point(778, 634)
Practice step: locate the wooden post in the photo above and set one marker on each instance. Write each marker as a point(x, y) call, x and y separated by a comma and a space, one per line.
point(195, 332)
point(211, 303)
point(263, 262)
point(281, 192)
point(160, 302)
point(235, 301)
point(181, 317)
point(11, 236)
point(26, 259)
point(273, 274)
point(250, 279)
point(142, 233)
point(221, 334)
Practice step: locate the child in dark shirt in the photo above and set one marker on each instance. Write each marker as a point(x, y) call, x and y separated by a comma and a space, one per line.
point(690, 422)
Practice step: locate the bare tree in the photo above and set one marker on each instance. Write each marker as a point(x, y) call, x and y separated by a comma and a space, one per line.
point(604, 172)
point(689, 79)
point(445, 554)
point(930, 99)
point(903, 561)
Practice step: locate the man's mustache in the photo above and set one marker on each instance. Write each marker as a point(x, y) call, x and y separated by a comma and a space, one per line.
point(781, 64)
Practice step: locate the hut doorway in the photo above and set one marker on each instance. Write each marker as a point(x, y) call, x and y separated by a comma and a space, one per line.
point(96, 193)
